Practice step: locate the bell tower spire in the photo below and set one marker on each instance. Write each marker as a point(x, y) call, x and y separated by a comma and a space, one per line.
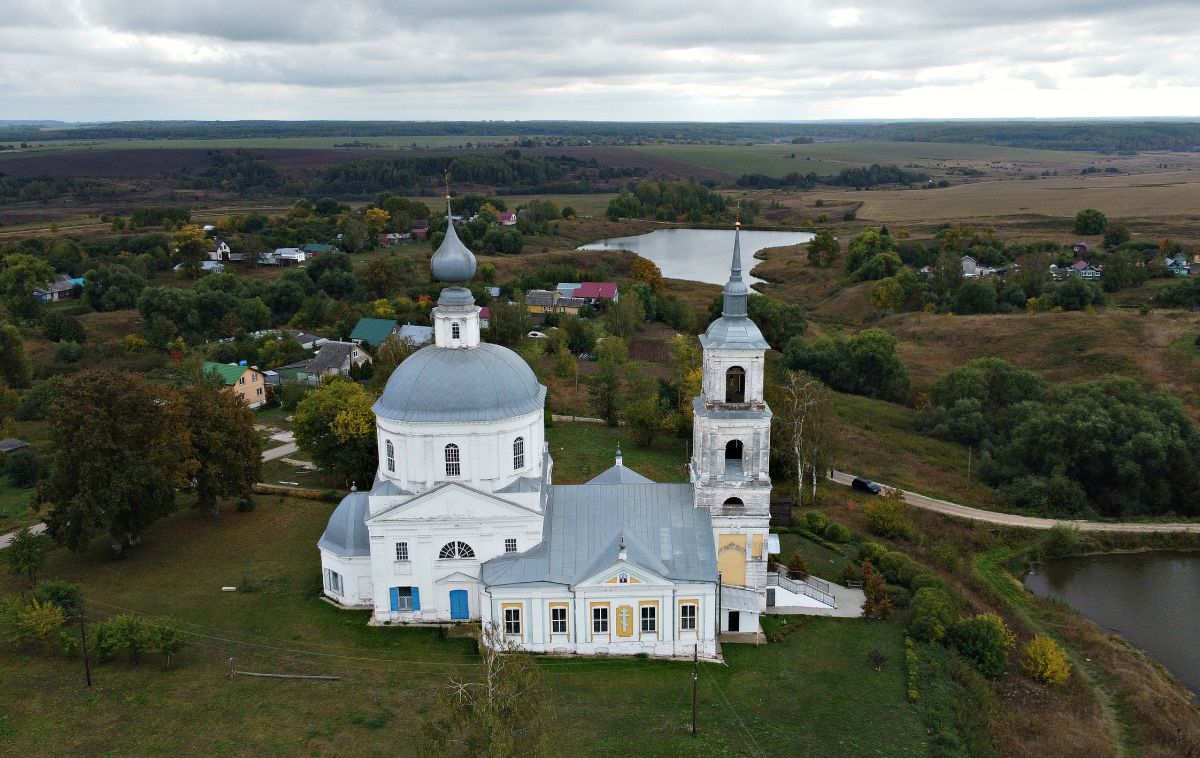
point(736, 291)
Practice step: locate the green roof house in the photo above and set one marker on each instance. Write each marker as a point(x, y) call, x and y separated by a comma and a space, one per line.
point(247, 382)
point(373, 331)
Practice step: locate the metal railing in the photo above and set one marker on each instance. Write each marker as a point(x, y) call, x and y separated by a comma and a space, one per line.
point(802, 588)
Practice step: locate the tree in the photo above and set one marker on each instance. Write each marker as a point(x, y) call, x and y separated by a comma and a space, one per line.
point(20, 275)
point(334, 424)
point(887, 294)
point(824, 249)
point(984, 640)
point(388, 356)
point(1115, 235)
point(866, 246)
point(57, 327)
point(383, 277)
point(1046, 661)
point(1075, 294)
point(805, 420)
point(509, 321)
point(112, 287)
point(645, 413)
point(121, 451)
point(192, 248)
point(506, 713)
point(15, 368)
point(932, 614)
point(686, 373)
point(227, 448)
point(354, 233)
point(876, 602)
point(644, 270)
point(1090, 221)
point(625, 317)
point(797, 568)
point(604, 388)
point(25, 554)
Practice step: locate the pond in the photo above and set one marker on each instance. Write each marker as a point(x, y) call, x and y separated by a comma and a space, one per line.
point(699, 255)
point(1150, 599)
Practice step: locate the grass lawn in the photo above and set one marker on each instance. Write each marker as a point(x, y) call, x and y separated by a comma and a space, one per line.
point(277, 471)
point(822, 562)
point(14, 507)
point(808, 695)
point(581, 451)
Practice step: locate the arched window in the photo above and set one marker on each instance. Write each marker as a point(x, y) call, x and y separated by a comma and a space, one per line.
point(455, 332)
point(391, 456)
point(456, 550)
point(453, 462)
point(733, 450)
point(735, 385)
point(733, 502)
point(518, 453)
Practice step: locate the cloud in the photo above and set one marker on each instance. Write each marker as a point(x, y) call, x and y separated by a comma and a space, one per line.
point(620, 59)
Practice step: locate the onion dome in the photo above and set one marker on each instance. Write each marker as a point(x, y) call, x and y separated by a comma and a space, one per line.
point(452, 263)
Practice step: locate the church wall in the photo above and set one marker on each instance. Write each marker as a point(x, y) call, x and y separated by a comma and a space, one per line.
point(535, 605)
point(354, 576)
point(718, 361)
point(434, 577)
point(486, 452)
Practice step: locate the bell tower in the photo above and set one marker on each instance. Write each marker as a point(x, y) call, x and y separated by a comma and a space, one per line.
point(731, 437)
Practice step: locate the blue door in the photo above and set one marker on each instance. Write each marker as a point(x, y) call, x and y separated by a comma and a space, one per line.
point(459, 608)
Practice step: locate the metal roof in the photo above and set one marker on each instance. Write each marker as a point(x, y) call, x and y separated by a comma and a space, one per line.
point(737, 332)
point(373, 331)
point(662, 530)
point(346, 534)
point(388, 488)
point(452, 262)
point(482, 383)
point(619, 474)
point(333, 356)
point(416, 334)
point(228, 372)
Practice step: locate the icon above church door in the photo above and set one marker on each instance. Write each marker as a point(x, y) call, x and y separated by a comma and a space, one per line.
point(459, 606)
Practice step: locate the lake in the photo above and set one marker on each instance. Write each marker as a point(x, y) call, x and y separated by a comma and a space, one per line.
point(1150, 599)
point(699, 255)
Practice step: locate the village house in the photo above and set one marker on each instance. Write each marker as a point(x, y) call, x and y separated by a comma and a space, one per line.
point(507, 218)
point(62, 287)
point(597, 293)
point(970, 267)
point(548, 301)
point(247, 382)
point(1083, 270)
point(1178, 266)
point(373, 331)
point(306, 340)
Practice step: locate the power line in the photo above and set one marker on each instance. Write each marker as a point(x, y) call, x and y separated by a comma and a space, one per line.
point(734, 713)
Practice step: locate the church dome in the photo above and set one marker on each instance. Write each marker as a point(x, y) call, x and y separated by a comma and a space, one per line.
point(346, 534)
point(452, 263)
point(485, 383)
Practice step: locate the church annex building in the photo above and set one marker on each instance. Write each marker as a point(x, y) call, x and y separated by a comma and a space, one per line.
point(464, 522)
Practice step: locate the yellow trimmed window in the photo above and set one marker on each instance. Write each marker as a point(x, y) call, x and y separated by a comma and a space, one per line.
point(687, 617)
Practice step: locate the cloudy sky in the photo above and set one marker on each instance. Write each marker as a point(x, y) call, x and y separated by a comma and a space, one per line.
point(591, 59)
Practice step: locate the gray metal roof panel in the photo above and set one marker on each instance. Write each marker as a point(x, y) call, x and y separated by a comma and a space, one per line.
point(737, 332)
point(620, 474)
point(482, 383)
point(346, 533)
point(664, 533)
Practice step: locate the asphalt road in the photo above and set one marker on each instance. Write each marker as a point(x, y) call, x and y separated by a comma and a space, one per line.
point(927, 503)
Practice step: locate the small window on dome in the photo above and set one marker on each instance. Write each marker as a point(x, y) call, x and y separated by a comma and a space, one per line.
point(455, 332)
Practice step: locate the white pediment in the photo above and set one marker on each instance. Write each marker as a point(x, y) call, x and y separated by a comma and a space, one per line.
point(457, 577)
point(452, 502)
point(624, 575)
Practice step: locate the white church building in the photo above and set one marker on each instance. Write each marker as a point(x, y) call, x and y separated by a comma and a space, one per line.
point(464, 522)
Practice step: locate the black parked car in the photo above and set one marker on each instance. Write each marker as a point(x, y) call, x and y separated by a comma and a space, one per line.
point(865, 485)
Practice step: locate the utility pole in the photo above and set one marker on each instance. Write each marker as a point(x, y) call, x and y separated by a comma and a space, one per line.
point(970, 455)
point(695, 676)
point(87, 662)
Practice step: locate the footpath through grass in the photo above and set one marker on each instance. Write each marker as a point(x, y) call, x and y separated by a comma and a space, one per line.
point(808, 695)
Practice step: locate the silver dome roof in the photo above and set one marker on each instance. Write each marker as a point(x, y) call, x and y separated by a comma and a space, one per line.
point(346, 534)
point(483, 383)
point(452, 263)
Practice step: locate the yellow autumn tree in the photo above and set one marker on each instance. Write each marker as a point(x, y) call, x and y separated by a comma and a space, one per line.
point(1046, 661)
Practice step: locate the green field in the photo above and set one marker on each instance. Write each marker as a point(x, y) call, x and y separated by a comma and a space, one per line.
point(824, 158)
point(805, 695)
point(14, 506)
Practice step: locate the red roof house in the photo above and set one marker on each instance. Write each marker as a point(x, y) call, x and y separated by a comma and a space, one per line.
point(597, 291)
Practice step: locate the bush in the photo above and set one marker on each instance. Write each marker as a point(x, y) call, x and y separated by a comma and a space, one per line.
point(913, 663)
point(58, 327)
point(899, 596)
point(837, 533)
point(877, 658)
point(63, 594)
point(923, 580)
point(36, 401)
point(245, 504)
point(985, 641)
point(815, 521)
point(851, 572)
point(932, 614)
point(899, 568)
point(24, 468)
point(39, 623)
point(1062, 540)
point(68, 352)
point(887, 516)
point(877, 604)
point(1046, 661)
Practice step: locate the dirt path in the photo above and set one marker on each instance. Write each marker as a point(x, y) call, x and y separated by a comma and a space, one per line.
point(1029, 522)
